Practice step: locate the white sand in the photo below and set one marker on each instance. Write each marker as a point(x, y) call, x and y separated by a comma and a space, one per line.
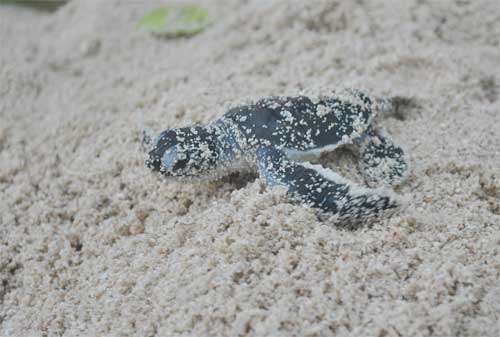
point(93, 244)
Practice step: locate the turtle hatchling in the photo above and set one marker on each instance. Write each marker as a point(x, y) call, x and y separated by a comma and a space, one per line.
point(277, 137)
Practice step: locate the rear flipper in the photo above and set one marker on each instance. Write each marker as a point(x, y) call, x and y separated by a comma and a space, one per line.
point(323, 188)
point(381, 161)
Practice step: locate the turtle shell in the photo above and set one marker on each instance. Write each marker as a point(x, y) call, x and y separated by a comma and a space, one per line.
point(299, 124)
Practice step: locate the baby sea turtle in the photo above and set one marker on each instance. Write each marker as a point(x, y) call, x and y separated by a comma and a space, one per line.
point(277, 136)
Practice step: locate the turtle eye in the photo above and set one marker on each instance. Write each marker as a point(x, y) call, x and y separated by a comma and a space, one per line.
point(169, 158)
point(165, 141)
point(175, 161)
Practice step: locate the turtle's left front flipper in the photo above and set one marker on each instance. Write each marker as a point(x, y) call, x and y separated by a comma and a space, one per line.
point(322, 188)
point(382, 162)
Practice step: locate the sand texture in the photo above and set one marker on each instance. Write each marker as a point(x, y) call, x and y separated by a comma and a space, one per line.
point(93, 244)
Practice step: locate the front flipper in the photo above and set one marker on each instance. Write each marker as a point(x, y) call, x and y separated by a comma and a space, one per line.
point(381, 161)
point(323, 188)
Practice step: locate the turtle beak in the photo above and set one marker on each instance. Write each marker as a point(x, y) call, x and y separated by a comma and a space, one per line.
point(153, 163)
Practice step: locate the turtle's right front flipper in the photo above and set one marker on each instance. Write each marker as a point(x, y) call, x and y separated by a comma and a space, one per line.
point(323, 188)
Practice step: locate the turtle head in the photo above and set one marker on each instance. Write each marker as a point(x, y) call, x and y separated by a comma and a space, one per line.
point(182, 152)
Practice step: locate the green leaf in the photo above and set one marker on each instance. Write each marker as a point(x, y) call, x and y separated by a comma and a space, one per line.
point(175, 20)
